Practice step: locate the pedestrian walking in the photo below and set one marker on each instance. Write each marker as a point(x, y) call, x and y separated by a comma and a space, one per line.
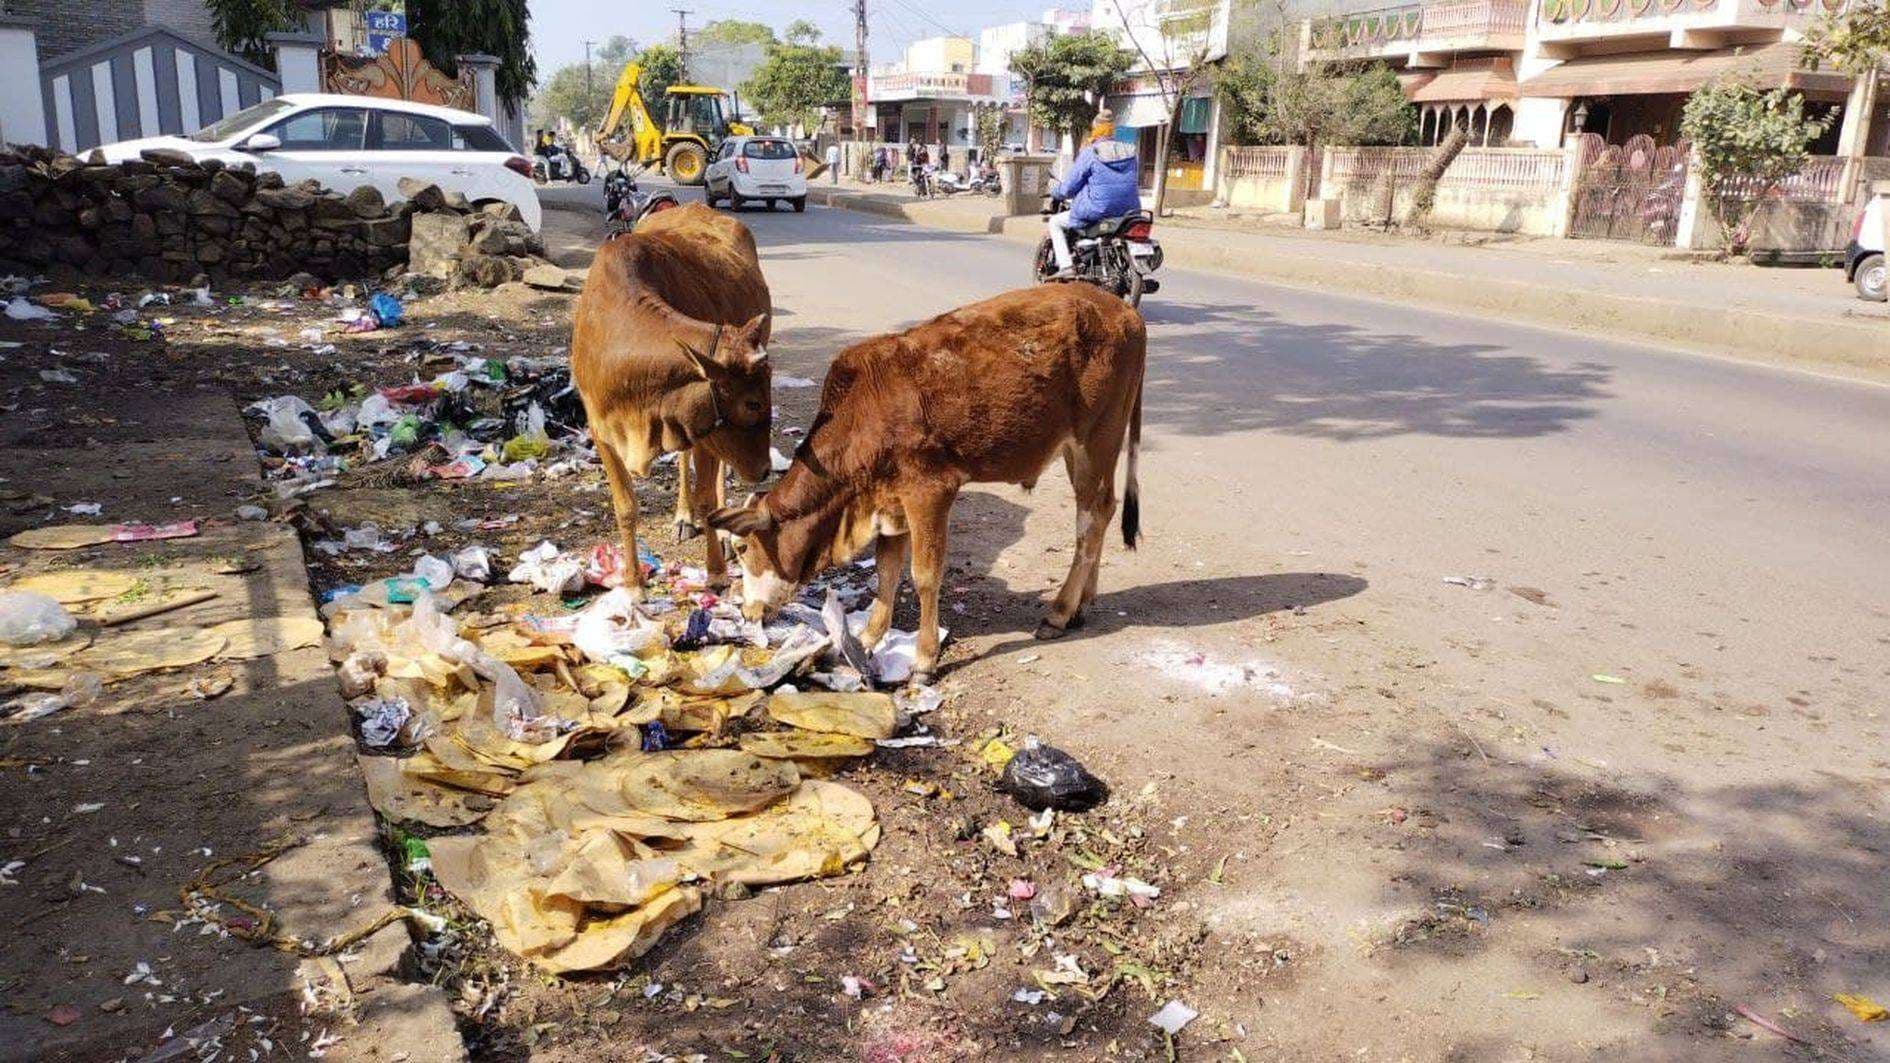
point(833, 164)
point(944, 158)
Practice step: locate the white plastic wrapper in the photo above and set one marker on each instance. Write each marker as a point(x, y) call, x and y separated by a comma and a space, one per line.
point(28, 618)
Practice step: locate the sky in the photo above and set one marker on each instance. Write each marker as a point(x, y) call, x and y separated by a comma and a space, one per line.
point(560, 27)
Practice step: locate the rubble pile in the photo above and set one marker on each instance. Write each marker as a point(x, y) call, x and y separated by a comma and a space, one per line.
point(167, 217)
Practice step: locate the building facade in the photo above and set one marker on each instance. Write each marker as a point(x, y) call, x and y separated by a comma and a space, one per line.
point(1541, 72)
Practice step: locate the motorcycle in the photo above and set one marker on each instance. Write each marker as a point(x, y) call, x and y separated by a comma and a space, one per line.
point(557, 164)
point(984, 181)
point(923, 181)
point(1116, 254)
point(625, 204)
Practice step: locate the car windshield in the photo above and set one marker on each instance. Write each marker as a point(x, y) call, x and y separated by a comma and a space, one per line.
point(768, 149)
point(241, 120)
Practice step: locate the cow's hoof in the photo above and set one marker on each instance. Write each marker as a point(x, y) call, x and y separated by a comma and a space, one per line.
point(1048, 632)
point(686, 529)
point(921, 679)
point(717, 583)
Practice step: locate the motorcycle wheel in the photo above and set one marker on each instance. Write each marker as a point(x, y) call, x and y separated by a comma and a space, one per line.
point(1044, 265)
point(538, 175)
point(583, 176)
point(1132, 289)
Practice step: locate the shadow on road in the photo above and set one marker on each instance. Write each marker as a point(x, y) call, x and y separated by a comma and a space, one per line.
point(1220, 368)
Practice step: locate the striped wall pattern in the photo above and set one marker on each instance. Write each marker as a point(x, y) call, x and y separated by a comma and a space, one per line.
point(144, 84)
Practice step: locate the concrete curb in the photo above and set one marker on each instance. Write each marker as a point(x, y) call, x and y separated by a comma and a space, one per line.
point(1857, 348)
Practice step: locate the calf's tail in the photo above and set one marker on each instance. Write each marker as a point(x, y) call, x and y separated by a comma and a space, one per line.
point(1131, 492)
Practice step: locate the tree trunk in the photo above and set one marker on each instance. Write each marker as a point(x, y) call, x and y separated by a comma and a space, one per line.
point(1425, 191)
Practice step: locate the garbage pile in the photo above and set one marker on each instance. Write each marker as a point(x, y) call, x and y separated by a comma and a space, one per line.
point(622, 762)
point(482, 418)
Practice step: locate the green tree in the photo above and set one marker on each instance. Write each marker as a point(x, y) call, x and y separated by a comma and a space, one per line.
point(801, 31)
point(796, 80)
point(447, 29)
point(1176, 50)
point(1270, 100)
point(731, 31)
point(1746, 142)
point(1067, 76)
point(241, 26)
point(1856, 42)
point(662, 67)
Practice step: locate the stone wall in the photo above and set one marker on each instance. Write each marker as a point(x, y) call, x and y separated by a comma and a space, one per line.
point(167, 218)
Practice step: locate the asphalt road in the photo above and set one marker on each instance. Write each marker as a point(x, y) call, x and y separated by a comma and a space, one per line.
point(1676, 625)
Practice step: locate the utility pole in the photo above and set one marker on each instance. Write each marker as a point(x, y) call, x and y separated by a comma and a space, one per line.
point(859, 70)
point(682, 39)
point(587, 69)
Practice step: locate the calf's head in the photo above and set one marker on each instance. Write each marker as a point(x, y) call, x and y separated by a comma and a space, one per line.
point(735, 365)
point(778, 554)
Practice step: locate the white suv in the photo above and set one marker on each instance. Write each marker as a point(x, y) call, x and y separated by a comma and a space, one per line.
point(765, 170)
point(348, 141)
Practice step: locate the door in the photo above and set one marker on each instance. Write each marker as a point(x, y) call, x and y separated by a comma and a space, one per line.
point(421, 147)
point(717, 176)
point(326, 143)
point(1630, 191)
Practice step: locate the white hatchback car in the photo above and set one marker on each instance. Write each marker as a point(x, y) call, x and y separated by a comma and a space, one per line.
point(765, 170)
point(348, 141)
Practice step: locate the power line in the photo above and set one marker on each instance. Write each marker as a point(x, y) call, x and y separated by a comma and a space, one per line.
point(927, 16)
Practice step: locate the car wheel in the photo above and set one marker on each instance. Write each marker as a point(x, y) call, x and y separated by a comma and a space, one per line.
point(800, 204)
point(734, 199)
point(1869, 278)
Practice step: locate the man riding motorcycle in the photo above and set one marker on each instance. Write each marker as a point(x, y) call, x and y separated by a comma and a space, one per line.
point(1102, 184)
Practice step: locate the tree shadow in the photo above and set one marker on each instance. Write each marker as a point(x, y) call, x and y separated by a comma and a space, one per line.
point(1767, 893)
point(1217, 368)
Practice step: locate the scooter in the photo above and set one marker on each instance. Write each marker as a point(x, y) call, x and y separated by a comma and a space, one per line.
point(557, 164)
point(985, 181)
point(1116, 254)
point(924, 183)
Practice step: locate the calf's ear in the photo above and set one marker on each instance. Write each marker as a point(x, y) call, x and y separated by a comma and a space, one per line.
point(742, 520)
point(751, 337)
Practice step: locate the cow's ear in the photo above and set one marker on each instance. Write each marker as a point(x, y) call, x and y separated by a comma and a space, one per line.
point(704, 365)
point(742, 520)
point(752, 331)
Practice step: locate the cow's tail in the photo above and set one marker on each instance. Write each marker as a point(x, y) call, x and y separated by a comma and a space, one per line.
point(1131, 491)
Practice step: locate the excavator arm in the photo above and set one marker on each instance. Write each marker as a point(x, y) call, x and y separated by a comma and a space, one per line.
point(626, 105)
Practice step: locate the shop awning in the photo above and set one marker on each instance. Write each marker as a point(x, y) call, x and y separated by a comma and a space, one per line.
point(1142, 109)
point(1413, 80)
point(1766, 66)
point(1468, 81)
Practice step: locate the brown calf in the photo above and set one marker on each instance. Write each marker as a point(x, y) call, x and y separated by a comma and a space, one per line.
point(989, 393)
point(668, 353)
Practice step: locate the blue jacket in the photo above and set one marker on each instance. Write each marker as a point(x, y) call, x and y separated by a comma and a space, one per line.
point(1102, 184)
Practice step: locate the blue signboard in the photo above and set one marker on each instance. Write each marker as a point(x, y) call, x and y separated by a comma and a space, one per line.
point(387, 23)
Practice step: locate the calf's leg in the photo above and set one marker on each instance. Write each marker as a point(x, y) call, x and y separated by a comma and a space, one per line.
point(623, 499)
point(927, 519)
point(889, 555)
point(1093, 482)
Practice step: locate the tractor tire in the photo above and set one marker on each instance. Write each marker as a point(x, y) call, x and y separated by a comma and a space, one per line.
point(685, 163)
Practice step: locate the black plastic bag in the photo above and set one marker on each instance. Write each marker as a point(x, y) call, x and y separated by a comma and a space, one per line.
point(1042, 776)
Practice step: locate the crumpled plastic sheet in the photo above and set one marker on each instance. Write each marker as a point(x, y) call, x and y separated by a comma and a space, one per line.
point(545, 568)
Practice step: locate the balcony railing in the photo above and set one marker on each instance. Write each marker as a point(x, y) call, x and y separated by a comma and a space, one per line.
point(1572, 13)
point(1410, 27)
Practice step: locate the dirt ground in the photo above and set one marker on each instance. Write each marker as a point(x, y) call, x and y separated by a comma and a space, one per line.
point(1338, 822)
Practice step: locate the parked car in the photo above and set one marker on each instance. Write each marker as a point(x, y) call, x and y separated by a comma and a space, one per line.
point(348, 141)
point(1863, 259)
point(765, 170)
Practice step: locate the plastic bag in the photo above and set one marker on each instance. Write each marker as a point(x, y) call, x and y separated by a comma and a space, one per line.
point(614, 627)
point(24, 309)
point(1042, 776)
point(28, 618)
point(545, 568)
point(473, 563)
point(386, 310)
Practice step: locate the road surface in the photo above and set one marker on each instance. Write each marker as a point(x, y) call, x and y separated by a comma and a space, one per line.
point(1532, 685)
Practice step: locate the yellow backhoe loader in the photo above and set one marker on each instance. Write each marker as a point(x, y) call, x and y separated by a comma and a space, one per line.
point(693, 127)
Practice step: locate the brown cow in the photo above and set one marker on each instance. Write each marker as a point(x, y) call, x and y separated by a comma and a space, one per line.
point(989, 393)
point(668, 353)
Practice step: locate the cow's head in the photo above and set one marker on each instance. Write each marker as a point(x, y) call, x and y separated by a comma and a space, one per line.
point(766, 586)
point(735, 365)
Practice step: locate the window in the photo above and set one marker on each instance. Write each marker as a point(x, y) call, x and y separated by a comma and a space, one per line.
point(240, 121)
point(478, 138)
point(769, 149)
point(413, 132)
point(327, 129)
